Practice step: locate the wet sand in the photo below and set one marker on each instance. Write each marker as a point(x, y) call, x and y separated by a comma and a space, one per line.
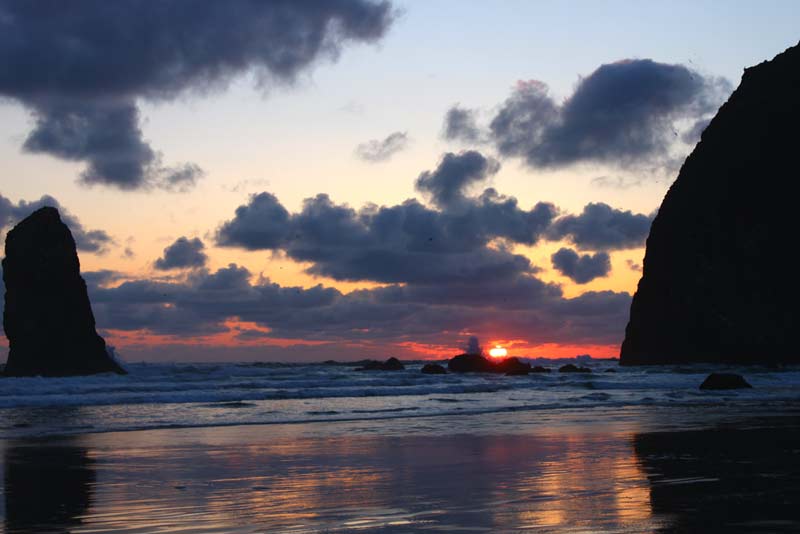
point(483, 474)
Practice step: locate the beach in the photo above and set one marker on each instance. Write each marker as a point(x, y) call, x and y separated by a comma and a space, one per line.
point(636, 469)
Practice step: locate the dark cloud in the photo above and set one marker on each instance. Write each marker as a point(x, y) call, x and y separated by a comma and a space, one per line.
point(625, 113)
point(102, 277)
point(460, 124)
point(96, 241)
point(261, 224)
point(403, 243)
point(692, 135)
point(81, 68)
point(581, 268)
point(447, 184)
point(377, 150)
point(601, 227)
point(183, 253)
point(633, 266)
point(407, 243)
point(518, 307)
point(524, 119)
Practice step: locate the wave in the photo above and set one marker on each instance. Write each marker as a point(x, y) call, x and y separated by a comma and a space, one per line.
point(187, 395)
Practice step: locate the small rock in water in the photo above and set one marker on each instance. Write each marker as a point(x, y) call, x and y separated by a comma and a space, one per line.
point(433, 369)
point(569, 368)
point(539, 369)
point(724, 381)
point(392, 364)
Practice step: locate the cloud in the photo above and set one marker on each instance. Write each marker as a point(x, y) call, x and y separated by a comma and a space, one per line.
point(581, 269)
point(96, 241)
point(183, 253)
point(600, 226)
point(261, 224)
point(692, 135)
point(460, 124)
point(377, 150)
point(616, 182)
point(625, 114)
point(407, 243)
point(447, 184)
point(81, 69)
point(633, 266)
point(517, 307)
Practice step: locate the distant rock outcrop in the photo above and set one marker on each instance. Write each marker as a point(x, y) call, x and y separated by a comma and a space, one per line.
point(47, 317)
point(392, 364)
point(717, 283)
point(433, 369)
point(475, 363)
point(570, 368)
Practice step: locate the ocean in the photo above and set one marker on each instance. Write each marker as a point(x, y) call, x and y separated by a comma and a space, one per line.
point(182, 395)
point(317, 449)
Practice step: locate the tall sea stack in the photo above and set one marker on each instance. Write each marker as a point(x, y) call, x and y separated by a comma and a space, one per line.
point(47, 318)
point(719, 282)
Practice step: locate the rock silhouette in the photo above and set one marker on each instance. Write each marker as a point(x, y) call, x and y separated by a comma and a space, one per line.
point(392, 364)
point(715, 287)
point(725, 381)
point(475, 363)
point(48, 318)
point(433, 369)
point(570, 368)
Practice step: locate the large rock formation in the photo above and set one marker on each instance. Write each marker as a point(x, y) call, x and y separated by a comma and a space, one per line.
point(475, 363)
point(47, 318)
point(718, 282)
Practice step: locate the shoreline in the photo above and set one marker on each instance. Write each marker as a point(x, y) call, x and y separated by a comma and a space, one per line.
point(689, 415)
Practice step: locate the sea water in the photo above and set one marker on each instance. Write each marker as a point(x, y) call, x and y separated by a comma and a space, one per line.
point(205, 395)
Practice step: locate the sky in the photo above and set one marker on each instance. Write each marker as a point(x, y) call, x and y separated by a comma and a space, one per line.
point(301, 181)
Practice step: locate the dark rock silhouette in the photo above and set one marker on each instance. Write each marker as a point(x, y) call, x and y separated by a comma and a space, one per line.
point(48, 318)
point(539, 369)
point(392, 364)
point(433, 369)
point(710, 290)
point(724, 381)
point(569, 368)
point(475, 363)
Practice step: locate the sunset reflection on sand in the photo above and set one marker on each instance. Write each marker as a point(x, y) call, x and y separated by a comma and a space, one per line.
point(246, 479)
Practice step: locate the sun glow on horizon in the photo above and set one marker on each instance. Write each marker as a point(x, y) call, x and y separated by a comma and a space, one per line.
point(498, 352)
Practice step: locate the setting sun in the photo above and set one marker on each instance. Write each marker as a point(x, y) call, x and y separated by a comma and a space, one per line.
point(498, 352)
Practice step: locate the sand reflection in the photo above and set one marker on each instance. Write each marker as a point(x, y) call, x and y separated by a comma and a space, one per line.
point(247, 480)
point(46, 487)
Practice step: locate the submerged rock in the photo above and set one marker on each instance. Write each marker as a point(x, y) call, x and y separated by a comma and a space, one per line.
point(569, 368)
point(539, 369)
point(433, 369)
point(475, 363)
point(392, 364)
point(47, 317)
point(709, 290)
point(724, 381)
